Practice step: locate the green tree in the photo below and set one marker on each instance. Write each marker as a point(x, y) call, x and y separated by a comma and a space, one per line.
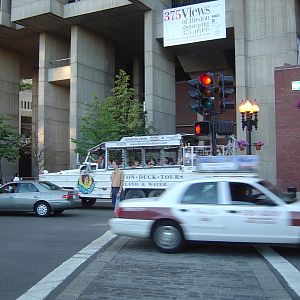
point(113, 117)
point(10, 142)
point(24, 86)
point(35, 148)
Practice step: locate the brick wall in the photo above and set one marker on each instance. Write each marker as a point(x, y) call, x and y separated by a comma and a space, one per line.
point(287, 117)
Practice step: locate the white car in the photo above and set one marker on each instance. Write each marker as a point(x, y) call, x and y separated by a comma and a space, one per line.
point(218, 209)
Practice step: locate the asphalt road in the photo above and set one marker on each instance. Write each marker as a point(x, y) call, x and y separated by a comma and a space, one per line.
point(31, 247)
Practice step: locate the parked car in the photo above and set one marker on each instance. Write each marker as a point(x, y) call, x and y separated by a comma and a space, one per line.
point(214, 209)
point(41, 197)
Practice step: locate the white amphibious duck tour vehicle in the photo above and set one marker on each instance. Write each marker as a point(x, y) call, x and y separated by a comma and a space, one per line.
point(151, 165)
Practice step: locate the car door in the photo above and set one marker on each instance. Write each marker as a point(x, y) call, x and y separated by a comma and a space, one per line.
point(25, 196)
point(7, 197)
point(253, 216)
point(199, 212)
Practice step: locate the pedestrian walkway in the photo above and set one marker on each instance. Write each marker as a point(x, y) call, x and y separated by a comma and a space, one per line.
point(133, 269)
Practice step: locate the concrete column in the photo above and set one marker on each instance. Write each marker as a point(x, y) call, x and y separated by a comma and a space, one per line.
point(265, 38)
point(9, 98)
point(34, 120)
point(159, 80)
point(92, 74)
point(53, 106)
point(137, 78)
point(240, 61)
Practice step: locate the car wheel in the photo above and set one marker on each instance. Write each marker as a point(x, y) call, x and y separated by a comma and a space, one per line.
point(135, 193)
point(88, 202)
point(57, 212)
point(42, 209)
point(155, 193)
point(168, 237)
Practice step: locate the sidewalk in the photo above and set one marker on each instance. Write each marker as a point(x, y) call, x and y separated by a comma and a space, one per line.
point(133, 269)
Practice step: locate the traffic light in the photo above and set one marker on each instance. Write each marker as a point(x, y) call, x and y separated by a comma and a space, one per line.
point(196, 95)
point(201, 128)
point(224, 127)
point(226, 89)
point(206, 81)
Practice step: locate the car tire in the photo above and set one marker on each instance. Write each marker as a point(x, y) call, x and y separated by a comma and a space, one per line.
point(168, 237)
point(88, 202)
point(155, 193)
point(42, 209)
point(57, 212)
point(135, 193)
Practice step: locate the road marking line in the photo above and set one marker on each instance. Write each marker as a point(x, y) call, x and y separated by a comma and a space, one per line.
point(45, 286)
point(290, 274)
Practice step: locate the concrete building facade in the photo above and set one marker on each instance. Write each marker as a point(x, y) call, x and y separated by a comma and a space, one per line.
point(72, 49)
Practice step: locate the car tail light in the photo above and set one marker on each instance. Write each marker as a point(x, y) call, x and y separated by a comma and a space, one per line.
point(118, 212)
point(295, 218)
point(67, 196)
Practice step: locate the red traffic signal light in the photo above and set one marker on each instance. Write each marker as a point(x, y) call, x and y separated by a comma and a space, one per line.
point(201, 128)
point(197, 128)
point(206, 79)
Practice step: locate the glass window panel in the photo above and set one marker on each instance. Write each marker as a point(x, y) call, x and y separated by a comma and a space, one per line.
point(201, 193)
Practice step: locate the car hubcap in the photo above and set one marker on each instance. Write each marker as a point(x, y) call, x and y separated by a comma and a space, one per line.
point(167, 237)
point(42, 209)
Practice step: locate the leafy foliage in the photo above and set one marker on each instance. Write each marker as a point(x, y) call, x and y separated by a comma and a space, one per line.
point(113, 117)
point(10, 142)
point(24, 86)
point(35, 148)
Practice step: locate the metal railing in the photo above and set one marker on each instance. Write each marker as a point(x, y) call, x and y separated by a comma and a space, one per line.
point(190, 154)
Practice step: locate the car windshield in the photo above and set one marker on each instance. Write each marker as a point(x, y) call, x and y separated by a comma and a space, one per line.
point(285, 197)
point(50, 186)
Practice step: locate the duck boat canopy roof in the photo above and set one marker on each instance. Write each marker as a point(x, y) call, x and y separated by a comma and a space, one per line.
point(140, 141)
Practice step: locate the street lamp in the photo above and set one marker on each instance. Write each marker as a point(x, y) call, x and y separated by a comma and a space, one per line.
point(249, 111)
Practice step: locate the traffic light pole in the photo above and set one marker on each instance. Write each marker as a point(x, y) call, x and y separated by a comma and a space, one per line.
point(203, 92)
point(213, 134)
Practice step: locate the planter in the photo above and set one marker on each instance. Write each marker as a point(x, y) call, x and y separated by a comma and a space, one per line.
point(242, 144)
point(257, 147)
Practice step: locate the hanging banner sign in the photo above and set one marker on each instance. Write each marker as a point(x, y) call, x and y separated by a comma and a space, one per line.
point(194, 23)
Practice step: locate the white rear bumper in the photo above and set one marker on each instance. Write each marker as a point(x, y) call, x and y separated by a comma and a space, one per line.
point(131, 227)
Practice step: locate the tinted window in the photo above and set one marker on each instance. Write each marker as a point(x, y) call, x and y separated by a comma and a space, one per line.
point(27, 188)
point(50, 186)
point(201, 193)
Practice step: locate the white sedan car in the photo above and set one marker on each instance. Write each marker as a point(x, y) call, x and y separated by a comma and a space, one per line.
point(216, 209)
